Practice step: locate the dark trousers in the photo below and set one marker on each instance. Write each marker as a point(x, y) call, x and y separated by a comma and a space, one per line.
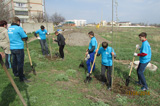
point(18, 62)
point(61, 47)
point(90, 61)
point(8, 60)
point(140, 71)
point(44, 47)
point(109, 72)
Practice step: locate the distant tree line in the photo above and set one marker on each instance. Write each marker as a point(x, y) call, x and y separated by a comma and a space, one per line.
point(55, 18)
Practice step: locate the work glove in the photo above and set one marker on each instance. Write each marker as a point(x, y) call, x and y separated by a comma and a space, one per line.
point(135, 54)
point(137, 46)
point(87, 57)
point(38, 38)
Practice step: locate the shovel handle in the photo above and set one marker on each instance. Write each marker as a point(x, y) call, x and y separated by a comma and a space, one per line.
point(12, 81)
point(50, 47)
point(132, 63)
point(94, 59)
point(28, 53)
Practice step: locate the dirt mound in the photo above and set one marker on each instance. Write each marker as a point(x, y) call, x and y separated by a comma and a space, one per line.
point(120, 87)
point(80, 39)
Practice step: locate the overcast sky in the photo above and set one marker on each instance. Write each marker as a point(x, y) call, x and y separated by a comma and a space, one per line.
point(135, 11)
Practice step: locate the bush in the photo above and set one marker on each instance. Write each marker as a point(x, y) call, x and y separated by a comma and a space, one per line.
point(71, 72)
point(62, 77)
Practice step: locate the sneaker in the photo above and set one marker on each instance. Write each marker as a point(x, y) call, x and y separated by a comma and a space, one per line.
point(61, 59)
point(25, 80)
point(109, 88)
point(144, 88)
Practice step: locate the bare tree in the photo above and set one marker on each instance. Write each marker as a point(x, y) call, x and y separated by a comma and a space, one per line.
point(38, 17)
point(57, 18)
point(4, 12)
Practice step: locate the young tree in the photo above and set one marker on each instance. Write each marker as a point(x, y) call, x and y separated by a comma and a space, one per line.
point(57, 18)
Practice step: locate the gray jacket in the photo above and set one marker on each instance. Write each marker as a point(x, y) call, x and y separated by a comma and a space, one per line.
point(4, 40)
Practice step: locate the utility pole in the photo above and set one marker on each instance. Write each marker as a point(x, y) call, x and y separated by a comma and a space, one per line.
point(112, 49)
point(29, 10)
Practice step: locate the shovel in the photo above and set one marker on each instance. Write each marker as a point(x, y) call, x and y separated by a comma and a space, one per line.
point(82, 63)
point(34, 72)
point(50, 47)
point(12, 81)
point(88, 78)
point(128, 79)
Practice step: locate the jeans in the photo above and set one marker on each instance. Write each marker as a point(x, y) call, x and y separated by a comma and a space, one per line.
point(8, 60)
point(109, 72)
point(44, 47)
point(140, 71)
point(89, 61)
point(18, 62)
point(61, 47)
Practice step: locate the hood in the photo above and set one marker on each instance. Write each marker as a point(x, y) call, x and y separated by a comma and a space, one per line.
point(2, 29)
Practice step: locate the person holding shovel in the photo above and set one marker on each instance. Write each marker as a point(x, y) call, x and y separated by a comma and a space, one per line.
point(145, 58)
point(106, 53)
point(90, 53)
point(16, 37)
point(4, 43)
point(42, 37)
point(61, 43)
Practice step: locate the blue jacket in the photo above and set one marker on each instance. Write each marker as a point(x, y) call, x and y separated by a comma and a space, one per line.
point(42, 34)
point(106, 55)
point(16, 33)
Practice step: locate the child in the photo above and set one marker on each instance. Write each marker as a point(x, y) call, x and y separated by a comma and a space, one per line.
point(145, 58)
point(91, 51)
point(61, 43)
point(106, 54)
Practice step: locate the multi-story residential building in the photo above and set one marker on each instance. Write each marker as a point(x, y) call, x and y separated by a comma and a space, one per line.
point(26, 10)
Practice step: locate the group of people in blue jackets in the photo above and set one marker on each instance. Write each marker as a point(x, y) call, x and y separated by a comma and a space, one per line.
point(17, 35)
point(108, 52)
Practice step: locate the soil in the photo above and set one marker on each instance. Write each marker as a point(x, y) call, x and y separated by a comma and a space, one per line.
point(120, 87)
point(54, 58)
point(75, 38)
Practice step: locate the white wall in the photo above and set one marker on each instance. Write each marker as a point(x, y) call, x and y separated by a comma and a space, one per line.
point(31, 27)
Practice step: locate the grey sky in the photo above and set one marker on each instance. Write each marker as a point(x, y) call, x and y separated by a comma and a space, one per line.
point(146, 11)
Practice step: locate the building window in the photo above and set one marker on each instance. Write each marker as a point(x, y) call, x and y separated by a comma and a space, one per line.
point(25, 13)
point(20, 5)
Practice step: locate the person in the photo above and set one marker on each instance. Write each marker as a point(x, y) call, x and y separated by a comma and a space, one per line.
point(2, 54)
point(90, 53)
point(145, 58)
point(106, 53)
point(61, 43)
point(42, 37)
point(4, 43)
point(16, 37)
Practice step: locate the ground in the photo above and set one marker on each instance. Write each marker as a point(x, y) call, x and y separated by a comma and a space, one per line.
point(61, 83)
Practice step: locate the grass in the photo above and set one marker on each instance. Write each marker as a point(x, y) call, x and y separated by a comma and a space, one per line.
point(60, 83)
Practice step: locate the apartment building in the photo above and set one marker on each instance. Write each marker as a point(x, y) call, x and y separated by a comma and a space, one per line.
point(26, 10)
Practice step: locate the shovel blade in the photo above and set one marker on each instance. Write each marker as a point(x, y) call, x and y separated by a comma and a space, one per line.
point(88, 79)
point(127, 81)
point(81, 65)
point(34, 71)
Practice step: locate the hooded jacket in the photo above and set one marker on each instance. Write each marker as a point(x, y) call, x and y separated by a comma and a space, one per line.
point(4, 40)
